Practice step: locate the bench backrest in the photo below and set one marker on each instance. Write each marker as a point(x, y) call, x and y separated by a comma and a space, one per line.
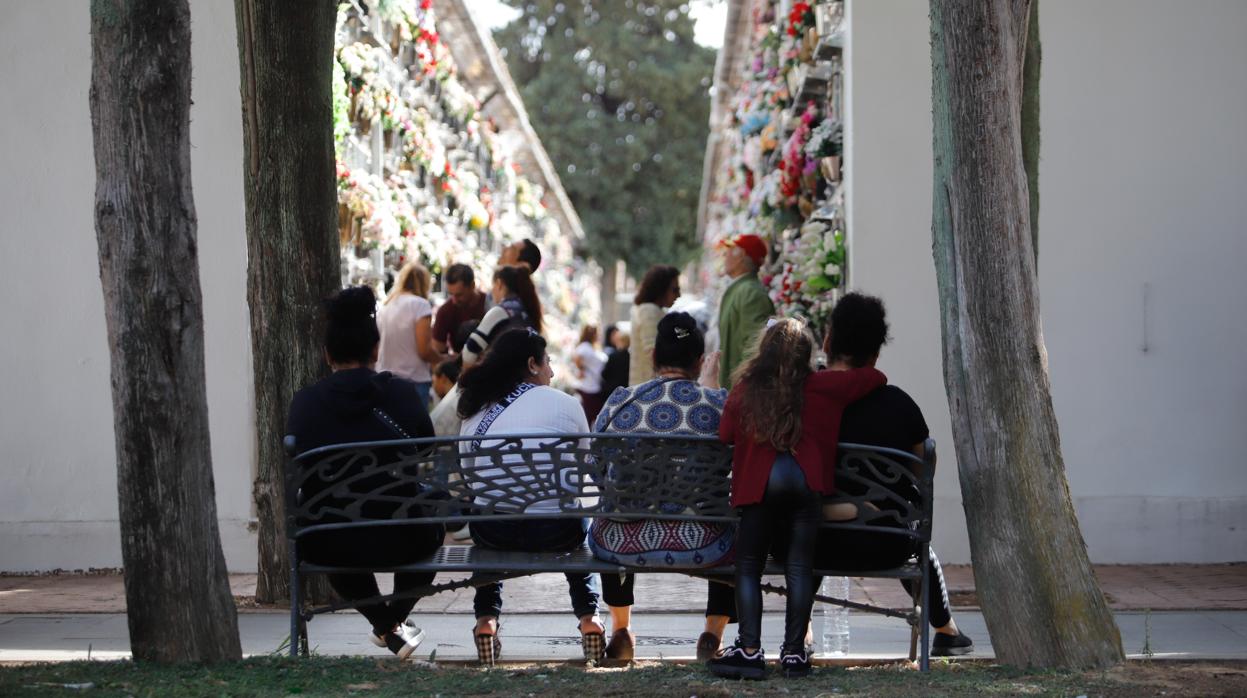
point(624, 476)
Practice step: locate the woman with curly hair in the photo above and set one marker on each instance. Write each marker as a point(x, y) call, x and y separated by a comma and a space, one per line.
point(784, 419)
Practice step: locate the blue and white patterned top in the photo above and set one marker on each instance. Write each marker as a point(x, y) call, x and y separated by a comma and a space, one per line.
point(663, 407)
point(678, 407)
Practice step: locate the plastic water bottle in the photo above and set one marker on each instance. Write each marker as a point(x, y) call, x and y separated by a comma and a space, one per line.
point(835, 631)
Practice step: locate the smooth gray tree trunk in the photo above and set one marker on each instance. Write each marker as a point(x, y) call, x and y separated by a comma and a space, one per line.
point(286, 59)
point(1039, 594)
point(178, 601)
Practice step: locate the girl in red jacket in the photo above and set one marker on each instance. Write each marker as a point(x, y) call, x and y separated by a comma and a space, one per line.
point(784, 419)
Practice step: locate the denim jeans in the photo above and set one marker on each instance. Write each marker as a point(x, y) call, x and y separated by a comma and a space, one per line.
point(422, 389)
point(535, 536)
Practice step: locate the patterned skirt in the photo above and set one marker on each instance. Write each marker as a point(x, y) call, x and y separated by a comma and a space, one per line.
point(659, 543)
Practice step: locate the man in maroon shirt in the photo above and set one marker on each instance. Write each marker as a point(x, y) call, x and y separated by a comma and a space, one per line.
point(465, 303)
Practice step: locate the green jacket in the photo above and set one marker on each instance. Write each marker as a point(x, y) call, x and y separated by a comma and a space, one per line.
point(743, 313)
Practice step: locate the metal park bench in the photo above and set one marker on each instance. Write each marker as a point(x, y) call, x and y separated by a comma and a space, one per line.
point(684, 478)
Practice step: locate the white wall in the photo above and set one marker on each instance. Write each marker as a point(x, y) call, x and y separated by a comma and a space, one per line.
point(58, 505)
point(1143, 165)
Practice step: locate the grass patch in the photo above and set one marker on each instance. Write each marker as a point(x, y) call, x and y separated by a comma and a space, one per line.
point(321, 676)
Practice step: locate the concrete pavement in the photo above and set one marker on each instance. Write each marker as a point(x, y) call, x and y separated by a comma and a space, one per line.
point(552, 636)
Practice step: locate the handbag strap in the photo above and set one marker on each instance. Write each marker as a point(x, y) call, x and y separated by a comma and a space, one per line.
point(496, 411)
point(389, 422)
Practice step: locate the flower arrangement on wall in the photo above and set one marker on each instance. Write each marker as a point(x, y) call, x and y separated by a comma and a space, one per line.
point(783, 178)
point(422, 175)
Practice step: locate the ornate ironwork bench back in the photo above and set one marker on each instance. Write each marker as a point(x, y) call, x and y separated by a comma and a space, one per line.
point(446, 479)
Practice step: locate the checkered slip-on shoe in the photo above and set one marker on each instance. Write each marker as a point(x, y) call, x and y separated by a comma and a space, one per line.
point(488, 648)
point(594, 645)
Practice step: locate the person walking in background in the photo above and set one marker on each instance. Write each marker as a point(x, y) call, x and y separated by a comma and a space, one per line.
point(406, 320)
point(514, 292)
point(589, 363)
point(745, 306)
point(465, 302)
point(784, 420)
point(524, 253)
point(615, 373)
point(658, 291)
point(355, 403)
point(446, 419)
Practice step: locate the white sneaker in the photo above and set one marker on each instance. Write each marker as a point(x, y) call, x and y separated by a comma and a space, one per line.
point(462, 534)
point(404, 640)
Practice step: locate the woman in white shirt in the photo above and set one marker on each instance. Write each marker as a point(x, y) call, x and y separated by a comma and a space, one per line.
point(507, 392)
point(658, 291)
point(406, 323)
point(589, 364)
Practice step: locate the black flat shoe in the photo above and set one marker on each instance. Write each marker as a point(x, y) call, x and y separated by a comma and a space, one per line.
point(951, 645)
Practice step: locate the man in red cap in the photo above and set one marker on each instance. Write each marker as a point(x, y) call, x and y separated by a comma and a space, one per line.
point(745, 306)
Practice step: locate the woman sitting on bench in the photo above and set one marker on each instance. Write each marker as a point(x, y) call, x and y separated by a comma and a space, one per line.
point(673, 403)
point(353, 404)
point(508, 392)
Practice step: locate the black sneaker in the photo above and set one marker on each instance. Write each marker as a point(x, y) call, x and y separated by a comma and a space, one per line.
point(735, 663)
point(795, 665)
point(951, 645)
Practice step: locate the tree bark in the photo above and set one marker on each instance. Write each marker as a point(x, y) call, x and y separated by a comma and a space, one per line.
point(1030, 120)
point(178, 602)
point(286, 58)
point(1038, 591)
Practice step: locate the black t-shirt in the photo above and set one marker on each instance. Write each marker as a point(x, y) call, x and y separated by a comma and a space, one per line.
point(887, 417)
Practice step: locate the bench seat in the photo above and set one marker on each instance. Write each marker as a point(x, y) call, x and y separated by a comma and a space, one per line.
point(469, 558)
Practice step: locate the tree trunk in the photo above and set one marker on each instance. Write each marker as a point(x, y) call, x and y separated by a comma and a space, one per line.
point(178, 601)
point(1030, 119)
point(610, 309)
point(286, 57)
point(1038, 591)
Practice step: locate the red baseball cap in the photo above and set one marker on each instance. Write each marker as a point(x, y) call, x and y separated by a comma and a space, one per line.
point(751, 244)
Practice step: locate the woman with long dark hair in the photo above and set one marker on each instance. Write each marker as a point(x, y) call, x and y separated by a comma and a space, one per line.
point(355, 403)
point(784, 419)
point(508, 392)
point(658, 291)
point(513, 290)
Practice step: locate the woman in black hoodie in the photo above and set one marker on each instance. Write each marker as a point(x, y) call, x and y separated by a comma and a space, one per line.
point(354, 404)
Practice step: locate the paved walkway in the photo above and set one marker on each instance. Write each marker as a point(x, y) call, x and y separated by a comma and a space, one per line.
point(1129, 588)
point(1179, 611)
point(41, 637)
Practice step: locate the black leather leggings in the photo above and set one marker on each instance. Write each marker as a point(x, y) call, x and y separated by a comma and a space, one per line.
point(791, 507)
